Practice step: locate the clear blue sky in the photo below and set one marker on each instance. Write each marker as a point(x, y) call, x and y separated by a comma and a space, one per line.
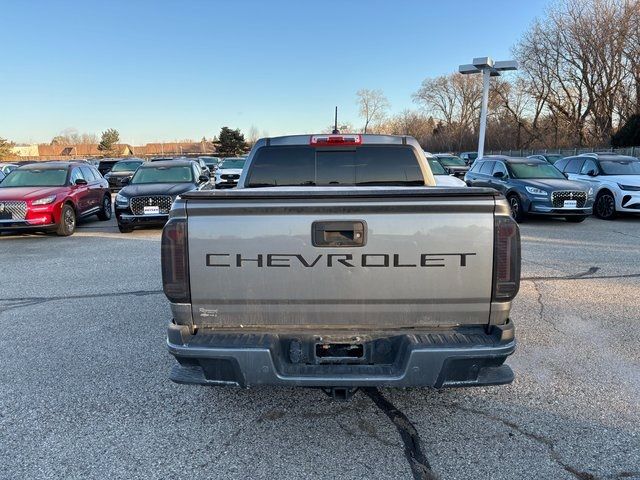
point(166, 70)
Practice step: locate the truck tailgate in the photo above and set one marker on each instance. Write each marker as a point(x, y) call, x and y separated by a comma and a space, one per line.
point(414, 257)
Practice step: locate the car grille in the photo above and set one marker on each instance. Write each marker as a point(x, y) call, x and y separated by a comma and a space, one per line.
point(229, 176)
point(558, 198)
point(113, 181)
point(18, 210)
point(162, 201)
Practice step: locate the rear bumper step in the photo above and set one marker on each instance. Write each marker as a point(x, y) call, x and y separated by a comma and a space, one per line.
point(453, 358)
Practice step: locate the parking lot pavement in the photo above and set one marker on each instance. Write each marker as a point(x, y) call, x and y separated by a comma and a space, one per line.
point(84, 390)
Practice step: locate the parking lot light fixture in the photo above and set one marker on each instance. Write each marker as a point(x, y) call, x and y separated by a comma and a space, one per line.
point(488, 68)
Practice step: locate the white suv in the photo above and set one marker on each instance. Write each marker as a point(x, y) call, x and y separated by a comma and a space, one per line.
point(615, 180)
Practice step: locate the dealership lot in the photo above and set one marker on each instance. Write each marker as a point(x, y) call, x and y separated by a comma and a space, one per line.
point(84, 390)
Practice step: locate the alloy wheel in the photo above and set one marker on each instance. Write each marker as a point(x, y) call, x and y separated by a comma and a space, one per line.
point(69, 220)
point(606, 206)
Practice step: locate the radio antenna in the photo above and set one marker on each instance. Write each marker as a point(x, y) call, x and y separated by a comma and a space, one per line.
point(335, 123)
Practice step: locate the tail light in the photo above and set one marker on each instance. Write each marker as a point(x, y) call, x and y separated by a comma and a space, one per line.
point(329, 140)
point(506, 259)
point(175, 261)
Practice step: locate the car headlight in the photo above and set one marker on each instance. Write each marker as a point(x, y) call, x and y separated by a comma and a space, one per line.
point(122, 200)
point(632, 188)
point(590, 192)
point(44, 201)
point(535, 191)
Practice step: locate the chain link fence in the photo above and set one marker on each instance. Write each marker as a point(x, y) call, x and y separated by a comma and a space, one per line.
point(567, 152)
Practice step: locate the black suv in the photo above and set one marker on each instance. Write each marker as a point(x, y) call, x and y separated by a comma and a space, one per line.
point(147, 198)
point(106, 165)
point(122, 170)
point(532, 186)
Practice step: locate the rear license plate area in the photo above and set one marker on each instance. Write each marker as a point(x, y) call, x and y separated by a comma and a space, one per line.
point(339, 352)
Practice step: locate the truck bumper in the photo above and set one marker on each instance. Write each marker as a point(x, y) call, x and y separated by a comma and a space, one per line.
point(440, 358)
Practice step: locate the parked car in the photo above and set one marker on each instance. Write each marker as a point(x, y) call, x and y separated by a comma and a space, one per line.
point(203, 167)
point(7, 167)
point(229, 172)
point(337, 283)
point(146, 199)
point(52, 196)
point(106, 165)
point(532, 186)
point(441, 176)
point(452, 164)
point(614, 178)
point(468, 157)
point(121, 170)
point(211, 163)
point(552, 158)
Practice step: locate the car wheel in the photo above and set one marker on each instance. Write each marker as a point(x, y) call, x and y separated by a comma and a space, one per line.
point(576, 218)
point(125, 229)
point(67, 223)
point(105, 211)
point(605, 206)
point(516, 208)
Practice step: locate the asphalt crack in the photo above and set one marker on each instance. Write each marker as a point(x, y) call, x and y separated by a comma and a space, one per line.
point(541, 440)
point(7, 304)
point(541, 308)
point(413, 449)
point(587, 275)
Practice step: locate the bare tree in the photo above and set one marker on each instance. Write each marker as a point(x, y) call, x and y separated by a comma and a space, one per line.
point(373, 106)
point(6, 148)
point(575, 60)
point(71, 136)
point(253, 135)
point(455, 101)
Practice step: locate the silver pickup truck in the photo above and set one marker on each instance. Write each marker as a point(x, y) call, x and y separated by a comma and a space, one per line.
point(337, 264)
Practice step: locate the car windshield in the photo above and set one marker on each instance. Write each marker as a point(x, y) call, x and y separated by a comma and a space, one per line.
point(233, 163)
point(46, 177)
point(436, 168)
point(620, 167)
point(535, 170)
point(452, 161)
point(125, 166)
point(178, 174)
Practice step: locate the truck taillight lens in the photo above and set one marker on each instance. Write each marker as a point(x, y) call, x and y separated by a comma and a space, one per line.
point(506, 259)
point(175, 261)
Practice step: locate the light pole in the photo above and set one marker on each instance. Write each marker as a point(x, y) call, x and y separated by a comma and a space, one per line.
point(488, 68)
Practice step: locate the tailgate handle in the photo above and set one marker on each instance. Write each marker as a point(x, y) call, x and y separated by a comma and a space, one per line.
point(339, 234)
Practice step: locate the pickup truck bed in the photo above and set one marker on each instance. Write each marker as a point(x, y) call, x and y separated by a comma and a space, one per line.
point(341, 287)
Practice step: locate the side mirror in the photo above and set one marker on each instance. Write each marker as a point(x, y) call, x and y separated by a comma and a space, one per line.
point(566, 175)
point(80, 181)
point(592, 173)
point(125, 181)
point(203, 178)
point(498, 174)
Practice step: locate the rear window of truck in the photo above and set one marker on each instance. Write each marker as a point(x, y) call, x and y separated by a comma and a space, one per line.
point(302, 165)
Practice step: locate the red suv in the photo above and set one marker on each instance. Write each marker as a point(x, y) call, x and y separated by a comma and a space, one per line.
point(52, 196)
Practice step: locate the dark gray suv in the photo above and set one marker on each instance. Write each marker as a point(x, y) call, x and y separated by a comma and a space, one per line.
point(533, 186)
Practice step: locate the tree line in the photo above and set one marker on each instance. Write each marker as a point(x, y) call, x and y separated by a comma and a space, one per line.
point(578, 85)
